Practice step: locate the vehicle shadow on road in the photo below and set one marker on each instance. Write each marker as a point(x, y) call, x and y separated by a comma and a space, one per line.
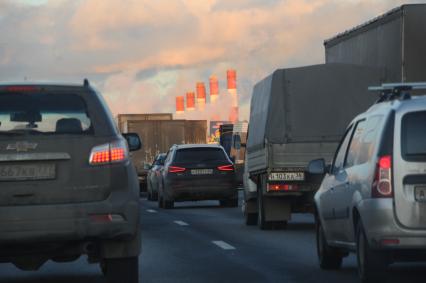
point(300, 226)
point(57, 279)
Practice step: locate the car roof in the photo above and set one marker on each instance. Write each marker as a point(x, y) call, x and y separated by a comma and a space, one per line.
point(184, 146)
point(387, 106)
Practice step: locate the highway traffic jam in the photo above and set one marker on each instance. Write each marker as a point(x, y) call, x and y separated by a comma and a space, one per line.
point(326, 181)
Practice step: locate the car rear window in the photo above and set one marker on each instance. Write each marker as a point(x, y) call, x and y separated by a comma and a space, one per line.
point(43, 113)
point(413, 138)
point(196, 155)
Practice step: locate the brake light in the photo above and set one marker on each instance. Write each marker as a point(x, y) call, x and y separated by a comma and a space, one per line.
point(281, 187)
point(229, 167)
point(176, 169)
point(21, 88)
point(109, 153)
point(382, 184)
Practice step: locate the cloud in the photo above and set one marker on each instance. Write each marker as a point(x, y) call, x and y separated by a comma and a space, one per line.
point(144, 53)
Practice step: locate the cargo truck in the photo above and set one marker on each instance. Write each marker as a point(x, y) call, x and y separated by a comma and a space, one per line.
point(297, 115)
point(395, 41)
point(159, 132)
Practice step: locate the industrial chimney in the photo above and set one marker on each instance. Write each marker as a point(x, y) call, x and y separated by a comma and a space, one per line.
point(180, 104)
point(214, 89)
point(190, 101)
point(201, 96)
point(232, 90)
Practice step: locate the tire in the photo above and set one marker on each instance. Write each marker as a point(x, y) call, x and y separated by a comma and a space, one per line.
point(250, 219)
point(168, 204)
point(154, 196)
point(371, 264)
point(118, 270)
point(160, 201)
point(329, 258)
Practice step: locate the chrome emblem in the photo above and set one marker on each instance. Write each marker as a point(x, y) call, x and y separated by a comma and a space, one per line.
point(22, 146)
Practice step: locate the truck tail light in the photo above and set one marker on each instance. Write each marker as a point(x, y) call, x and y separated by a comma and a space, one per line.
point(109, 153)
point(281, 187)
point(382, 184)
point(176, 169)
point(229, 167)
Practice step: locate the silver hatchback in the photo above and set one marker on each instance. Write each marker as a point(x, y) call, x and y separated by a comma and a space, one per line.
point(372, 200)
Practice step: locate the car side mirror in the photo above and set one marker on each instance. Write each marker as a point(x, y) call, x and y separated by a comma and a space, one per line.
point(317, 166)
point(133, 141)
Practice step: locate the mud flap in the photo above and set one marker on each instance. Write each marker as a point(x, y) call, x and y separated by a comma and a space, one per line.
point(277, 209)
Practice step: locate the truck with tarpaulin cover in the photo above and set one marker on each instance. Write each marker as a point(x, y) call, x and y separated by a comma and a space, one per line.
point(297, 115)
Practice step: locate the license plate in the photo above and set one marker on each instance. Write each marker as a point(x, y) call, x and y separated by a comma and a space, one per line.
point(420, 193)
point(27, 172)
point(201, 171)
point(287, 176)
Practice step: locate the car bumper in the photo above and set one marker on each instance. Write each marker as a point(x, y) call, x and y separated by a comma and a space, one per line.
point(70, 222)
point(181, 191)
point(382, 229)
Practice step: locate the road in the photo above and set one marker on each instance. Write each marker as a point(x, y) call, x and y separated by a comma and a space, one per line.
point(201, 242)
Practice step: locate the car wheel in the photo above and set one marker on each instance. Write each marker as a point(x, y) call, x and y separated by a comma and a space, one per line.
point(328, 257)
point(168, 204)
point(371, 264)
point(119, 270)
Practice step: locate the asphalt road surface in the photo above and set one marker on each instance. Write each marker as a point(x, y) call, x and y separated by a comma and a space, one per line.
point(201, 242)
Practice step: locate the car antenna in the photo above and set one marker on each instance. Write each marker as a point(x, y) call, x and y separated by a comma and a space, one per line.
point(86, 83)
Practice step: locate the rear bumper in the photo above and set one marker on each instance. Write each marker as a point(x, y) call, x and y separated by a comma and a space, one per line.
point(379, 222)
point(70, 222)
point(181, 191)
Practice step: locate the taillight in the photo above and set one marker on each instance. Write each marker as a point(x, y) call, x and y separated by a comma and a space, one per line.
point(21, 88)
point(281, 187)
point(382, 185)
point(109, 153)
point(229, 167)
point(176, 169)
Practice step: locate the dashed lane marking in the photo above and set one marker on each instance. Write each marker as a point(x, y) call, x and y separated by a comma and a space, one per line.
point(181, 223)
point(223, 245)
point(151, 211)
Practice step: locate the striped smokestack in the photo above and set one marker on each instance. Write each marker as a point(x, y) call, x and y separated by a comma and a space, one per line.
point(180, 104)
point(190, 101)
point(201, 96)
point(214, 89)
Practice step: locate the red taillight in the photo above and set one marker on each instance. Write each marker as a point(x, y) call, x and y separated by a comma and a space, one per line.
point(229, 167)
point(108, 153)
point(281, 187)
point(382, 185)
point(176, 169)
point(21, 88)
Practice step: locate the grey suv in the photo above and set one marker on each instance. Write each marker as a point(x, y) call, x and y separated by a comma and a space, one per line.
point(372, 201)
point(67, 185)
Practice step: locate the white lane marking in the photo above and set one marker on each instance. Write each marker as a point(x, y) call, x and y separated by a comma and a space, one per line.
point(223, 245)
point(181, 223)
point(151, 211)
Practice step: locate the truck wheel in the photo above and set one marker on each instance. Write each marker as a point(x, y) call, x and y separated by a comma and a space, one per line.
point(371, 264)
point(160, 201)
point(251, 218)
point(261, 222)
point(328, 257)
point(154, 196)
point(119, 270)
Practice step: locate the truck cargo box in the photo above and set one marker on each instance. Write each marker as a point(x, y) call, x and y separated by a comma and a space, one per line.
point(395, 41)
point(299, 114)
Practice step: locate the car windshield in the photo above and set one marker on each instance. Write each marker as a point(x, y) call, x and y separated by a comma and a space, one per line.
point(41, 113)
point(197, 155)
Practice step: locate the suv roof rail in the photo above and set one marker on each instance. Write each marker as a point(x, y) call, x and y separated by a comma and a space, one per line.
point(392, 91)
point(86, 83)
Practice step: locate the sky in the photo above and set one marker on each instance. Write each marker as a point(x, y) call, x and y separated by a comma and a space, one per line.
point(140, 54)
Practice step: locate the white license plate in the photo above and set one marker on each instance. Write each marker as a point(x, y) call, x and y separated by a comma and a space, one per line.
point(420, 193)
point(27, 172)
point(202, 171)
point(287, 176)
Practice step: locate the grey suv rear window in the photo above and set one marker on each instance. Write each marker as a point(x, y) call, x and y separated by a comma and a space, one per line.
point(43, 113)
point(413, 138)
point(195, 155)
